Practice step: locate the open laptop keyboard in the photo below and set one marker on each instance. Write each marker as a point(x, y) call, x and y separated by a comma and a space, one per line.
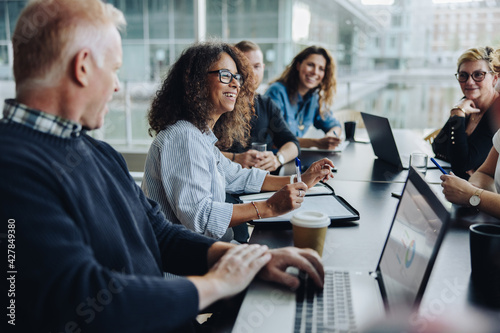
point(327, 310)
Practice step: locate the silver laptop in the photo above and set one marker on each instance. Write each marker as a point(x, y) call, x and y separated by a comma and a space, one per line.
point(386, 147)
point(351, 300)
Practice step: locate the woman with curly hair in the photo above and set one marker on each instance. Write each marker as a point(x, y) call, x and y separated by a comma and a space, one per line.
point(207, 95)
point(304, 92)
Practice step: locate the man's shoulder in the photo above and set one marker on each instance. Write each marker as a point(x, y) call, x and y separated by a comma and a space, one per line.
point(101, 145)
point(16, 137)
point(265, 105)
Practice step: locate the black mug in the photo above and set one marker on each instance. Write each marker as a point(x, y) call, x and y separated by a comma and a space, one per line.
point(349, 128)
point(485, 261)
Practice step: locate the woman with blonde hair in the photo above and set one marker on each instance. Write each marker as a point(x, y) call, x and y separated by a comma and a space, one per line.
point(483, 188)
point(304, 92)
point(465, 139)
point(206, 98)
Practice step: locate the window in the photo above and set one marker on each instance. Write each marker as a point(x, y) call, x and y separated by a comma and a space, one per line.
point(248, 19)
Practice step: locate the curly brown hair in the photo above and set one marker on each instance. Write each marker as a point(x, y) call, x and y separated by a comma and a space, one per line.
point(327, 89)
point(185, 93)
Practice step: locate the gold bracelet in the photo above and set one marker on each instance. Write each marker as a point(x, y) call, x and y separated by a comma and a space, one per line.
point(255, 206)
point(456, 107)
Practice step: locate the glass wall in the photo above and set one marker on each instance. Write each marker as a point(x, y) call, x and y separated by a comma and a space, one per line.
point(364, 40)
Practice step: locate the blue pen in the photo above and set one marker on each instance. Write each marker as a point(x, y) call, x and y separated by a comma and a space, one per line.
point(297, 169)
point(439, 167)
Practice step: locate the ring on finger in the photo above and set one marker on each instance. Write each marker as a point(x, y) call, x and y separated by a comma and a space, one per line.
point(300, 193)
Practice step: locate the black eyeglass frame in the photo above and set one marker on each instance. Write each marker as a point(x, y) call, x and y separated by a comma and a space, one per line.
point(237, 77)
point(483, 75)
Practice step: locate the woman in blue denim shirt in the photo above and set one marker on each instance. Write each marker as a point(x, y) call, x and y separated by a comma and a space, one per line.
point(304, 92)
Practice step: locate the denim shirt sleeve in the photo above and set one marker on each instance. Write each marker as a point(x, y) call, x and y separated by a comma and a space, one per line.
point(305, 111)
point(327, 123)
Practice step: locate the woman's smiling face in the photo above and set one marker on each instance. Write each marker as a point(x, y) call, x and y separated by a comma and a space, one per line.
point(311, 72)
point(223, 96)
point(475, 90)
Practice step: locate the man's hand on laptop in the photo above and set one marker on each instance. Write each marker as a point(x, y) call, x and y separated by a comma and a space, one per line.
point(231, 273)
point(306, 260)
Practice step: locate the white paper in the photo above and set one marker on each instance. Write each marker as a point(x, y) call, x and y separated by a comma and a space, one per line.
point(327, 204)
point(316, 189)
point(337, 149)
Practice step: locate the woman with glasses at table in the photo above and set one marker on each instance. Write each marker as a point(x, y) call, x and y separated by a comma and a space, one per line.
point(207, 95)
point(465, 139)
point(304, 92)
point(482, 190)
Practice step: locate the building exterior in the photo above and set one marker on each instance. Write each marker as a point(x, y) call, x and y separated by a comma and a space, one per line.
point(405, 35)
point(459, 26)
point(404, 40)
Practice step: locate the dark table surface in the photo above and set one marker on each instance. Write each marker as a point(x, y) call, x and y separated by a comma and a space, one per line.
point(449, 290)
point(367, 184)
point(358, 163)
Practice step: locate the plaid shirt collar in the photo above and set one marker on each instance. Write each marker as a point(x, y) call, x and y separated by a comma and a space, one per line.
point(40, 121)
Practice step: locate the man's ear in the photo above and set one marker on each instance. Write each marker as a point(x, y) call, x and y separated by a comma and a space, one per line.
point(82, 66)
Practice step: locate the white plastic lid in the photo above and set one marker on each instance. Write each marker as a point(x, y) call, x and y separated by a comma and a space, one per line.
point(308, 219)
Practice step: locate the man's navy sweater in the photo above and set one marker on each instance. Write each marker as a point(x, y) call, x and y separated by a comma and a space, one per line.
point(90, 248)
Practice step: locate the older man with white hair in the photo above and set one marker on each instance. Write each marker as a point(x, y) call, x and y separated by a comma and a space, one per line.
point(87, 249)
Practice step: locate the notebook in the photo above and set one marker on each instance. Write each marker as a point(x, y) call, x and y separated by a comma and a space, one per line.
point(385, 147)
point(340, 148)
point(320, 198)
point(399, 281)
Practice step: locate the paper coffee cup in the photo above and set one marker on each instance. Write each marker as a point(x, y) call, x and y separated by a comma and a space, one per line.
point(309, 230)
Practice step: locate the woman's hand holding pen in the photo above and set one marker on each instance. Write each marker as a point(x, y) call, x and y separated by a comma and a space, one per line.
point(457, 190)
point(318, 171)
point(290, 197)
point(328, 142)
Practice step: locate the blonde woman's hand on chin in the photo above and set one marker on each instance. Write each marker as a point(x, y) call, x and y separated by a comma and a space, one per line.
point(464, 108)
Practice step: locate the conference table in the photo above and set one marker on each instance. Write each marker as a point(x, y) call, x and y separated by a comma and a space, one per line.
point(368, 184)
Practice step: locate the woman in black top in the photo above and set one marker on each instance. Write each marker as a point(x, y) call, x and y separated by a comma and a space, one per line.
point(465, 139)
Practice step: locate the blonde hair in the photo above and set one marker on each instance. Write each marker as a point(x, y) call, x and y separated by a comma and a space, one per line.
point(478, 53)
point(49, 33)
point(495, 62)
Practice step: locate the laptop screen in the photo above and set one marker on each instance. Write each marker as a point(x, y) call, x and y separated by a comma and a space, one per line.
point(412, 244)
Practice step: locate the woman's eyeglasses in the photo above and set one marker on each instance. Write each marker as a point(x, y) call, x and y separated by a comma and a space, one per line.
point(226, 76)
point(477, 76)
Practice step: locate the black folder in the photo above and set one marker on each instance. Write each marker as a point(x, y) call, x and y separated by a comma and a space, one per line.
point(320, 198)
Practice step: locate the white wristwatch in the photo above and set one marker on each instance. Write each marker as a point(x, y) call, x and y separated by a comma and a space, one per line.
point(475, 200)
point(281, 158)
